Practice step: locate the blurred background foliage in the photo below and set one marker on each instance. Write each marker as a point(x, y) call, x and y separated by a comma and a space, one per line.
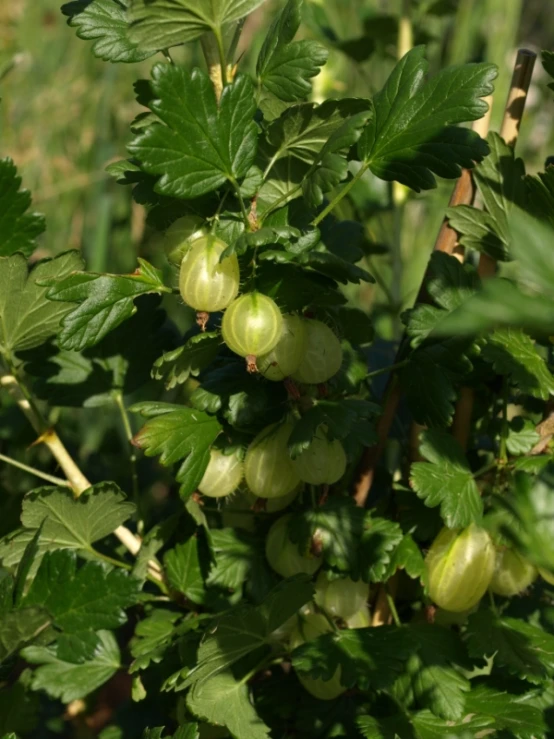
point(65, 116)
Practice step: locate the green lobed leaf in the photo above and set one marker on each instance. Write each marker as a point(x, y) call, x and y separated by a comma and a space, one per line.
point(121, 361)
point(423, 725)
point(153, 636)
point(446, 480)
point(380, 538)
point(24, 567)
point(175, 367)
point(67, 681)
point(105, 301)
point(236, 555)
point(175, 434)
point(88, 597)
point(519, 647)
point(406, 556)
point(500, 303)
point(337, 526)
point(531, 503)
point(248, 628)
point(224, 700)
point(367, 657)
point(296, 143)
point(77, 647)
point(540, 195)
point(18, 228)
point(285, 67)
point(183, 566)
point(513, 353)
point(411, 136)
point(432, 679)
point(27, 317)
point(333, 266)
point(67, 522)
point(522, 436)
point(332, 161)
point(428, 387)
point(202, 144)
point(339, 418)
point(531, 240)
point(105, 22)
point(509, 712)
point(500, 180)
point(20, 627)
point(166, 23)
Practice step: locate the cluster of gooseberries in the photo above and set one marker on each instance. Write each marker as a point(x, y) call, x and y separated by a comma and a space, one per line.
point(278, 347)
point(463, 564)
point(253, 326)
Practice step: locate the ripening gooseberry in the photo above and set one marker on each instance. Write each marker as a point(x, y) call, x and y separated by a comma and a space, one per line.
point(284, 555)
point(309, 628)
point(205, 283)
point(223, 474)
point(323, 356)
point(252, 325)
point(268, 468)
point(512, 574)
point(460, 564)
point(180, 235)
point(323, 462)
point(341, 597)
point(360, 620)
point(286, 356)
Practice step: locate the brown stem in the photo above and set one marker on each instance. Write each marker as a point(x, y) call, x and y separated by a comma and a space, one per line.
point(513, 113)
point(381, 611)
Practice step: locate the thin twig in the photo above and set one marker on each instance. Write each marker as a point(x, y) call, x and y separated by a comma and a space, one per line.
point(33, 471)
point(131, 449)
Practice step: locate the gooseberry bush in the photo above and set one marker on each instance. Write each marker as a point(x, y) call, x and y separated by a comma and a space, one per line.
point(268, 572)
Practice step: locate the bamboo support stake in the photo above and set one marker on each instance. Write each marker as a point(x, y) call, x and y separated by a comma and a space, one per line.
point(511, 122)
point(509, 130)
point(446, 242)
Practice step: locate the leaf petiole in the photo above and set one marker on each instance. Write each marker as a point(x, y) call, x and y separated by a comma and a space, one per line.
point(33, 471)
point(341, 194)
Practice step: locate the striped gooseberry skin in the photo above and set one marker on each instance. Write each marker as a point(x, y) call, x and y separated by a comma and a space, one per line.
point(286, 356)
point(252, 325)
point(205, 283)
point(322, 357)
point(309, 628)
point(460, 564)
point(323, 462)
point(268, 468)
point(283, 554)
point(180, 236)
point(512, 573)
point(223, 474)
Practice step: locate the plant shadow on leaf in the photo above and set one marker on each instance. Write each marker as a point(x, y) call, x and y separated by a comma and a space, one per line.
point(121, 361)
